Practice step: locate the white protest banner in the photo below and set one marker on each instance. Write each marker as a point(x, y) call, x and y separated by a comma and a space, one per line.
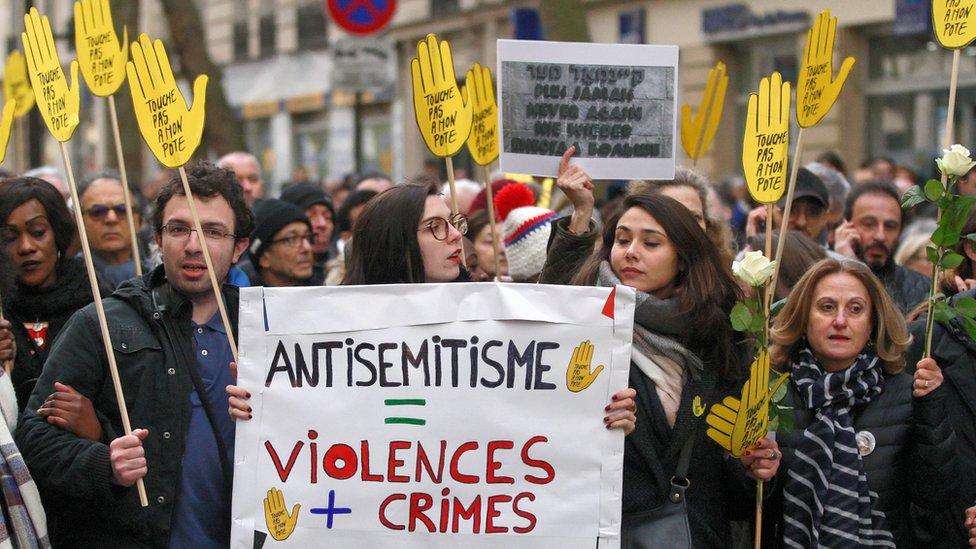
point(431, 415)
point(621, 117)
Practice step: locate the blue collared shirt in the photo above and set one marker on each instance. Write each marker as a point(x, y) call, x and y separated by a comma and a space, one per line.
point(202, 515)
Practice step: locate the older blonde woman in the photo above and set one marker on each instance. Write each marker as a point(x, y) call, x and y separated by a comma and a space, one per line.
point(870, 440)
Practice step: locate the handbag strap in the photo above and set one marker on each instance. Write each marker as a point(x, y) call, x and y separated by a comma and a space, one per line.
point(680, 481)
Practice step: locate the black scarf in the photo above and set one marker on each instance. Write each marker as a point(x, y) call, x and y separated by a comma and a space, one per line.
point(827, 499)
point(53, 305)
point(69, 293)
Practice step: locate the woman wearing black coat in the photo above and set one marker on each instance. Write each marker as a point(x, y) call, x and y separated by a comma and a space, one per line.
point(869, 440)
point(36, 230)
point(685, 354)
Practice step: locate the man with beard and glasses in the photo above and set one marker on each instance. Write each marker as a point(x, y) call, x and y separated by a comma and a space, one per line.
point(871, 233)
point(174, 363)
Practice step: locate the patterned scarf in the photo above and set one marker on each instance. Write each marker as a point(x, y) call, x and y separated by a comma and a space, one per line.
point(27, 526)
point(827, 499)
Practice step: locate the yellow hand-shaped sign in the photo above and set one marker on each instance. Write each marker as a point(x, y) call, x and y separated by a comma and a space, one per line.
point(736, 424)
point(59, 104)
point(578, 374)
point(951, 22)
point(6, 122)
point(483, 142)
point(16, 84)
point(100, 54)
point(817, 89)
point(280, 523)
point(698, 131)
point(172, 131)
point(443, 111)
point(766, 141)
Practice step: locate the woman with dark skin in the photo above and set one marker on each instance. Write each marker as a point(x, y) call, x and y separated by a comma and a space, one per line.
point(407, 235)
point(36, 231)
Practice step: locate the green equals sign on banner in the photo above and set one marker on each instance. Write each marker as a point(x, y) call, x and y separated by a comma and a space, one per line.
point(405, 402)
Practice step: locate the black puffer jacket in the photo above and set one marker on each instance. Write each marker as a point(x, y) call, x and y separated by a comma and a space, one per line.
point(906, 287)
point(955, 353)
point(150, 327)
point(913, 461)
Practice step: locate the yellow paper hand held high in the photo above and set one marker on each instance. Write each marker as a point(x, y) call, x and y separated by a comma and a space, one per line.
point(16, 84)
point(101, 56)
point(443, 111)
point(952, 21)
point(172, 131)
point(280, 523)
point(697, 131)
point(483, 141)
point(6, 123)
point(765, 143)
point(59, 104)
point(578, 374)
point(817, 89)
point(736, 424)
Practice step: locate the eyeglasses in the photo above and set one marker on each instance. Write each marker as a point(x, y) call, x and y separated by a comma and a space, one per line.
point(182, 232)
point(438, 226)
point(295, 241)
point(99, 211)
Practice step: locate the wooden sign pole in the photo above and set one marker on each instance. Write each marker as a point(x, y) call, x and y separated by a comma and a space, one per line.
point(100, 311)
point(136, 260)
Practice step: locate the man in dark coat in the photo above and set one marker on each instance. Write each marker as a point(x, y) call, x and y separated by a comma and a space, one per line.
point(955, 353)
point(173, 359)
point(871, 232)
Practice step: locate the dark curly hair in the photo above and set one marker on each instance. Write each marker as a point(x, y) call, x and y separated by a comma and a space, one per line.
point(207, 180)
point(16, 191)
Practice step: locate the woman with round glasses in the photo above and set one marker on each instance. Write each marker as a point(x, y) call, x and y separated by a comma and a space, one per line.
point(36, 230)
point(407, 234)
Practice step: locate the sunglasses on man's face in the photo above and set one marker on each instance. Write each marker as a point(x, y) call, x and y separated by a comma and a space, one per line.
point(99, 211)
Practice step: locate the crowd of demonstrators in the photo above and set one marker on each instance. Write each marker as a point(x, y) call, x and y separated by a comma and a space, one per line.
point(881, 436)
point(173, 359)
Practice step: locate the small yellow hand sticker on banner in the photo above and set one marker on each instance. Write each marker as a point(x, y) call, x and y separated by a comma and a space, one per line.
point(483, 141)
point(6, 123)
point(736, 424)
point(766, 141)
point(172, 131)
point(817, 89)
point(443, 111)
point(280, 523)
point(101, 56)
point(16, 84)
point(951, 21)
point(59, 104)
point(578, 373)
point(698, 130)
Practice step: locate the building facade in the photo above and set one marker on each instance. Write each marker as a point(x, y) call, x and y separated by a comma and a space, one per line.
point(302, 120)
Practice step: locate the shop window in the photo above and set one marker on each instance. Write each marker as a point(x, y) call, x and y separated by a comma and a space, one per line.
point(240, 39)
point(311, 26)
point(266, 31)
point(439, 8)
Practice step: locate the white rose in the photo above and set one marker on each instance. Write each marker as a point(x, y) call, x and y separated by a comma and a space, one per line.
point(955, 161)
point(755, 269)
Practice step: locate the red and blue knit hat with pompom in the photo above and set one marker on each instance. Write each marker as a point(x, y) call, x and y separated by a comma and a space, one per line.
point(526, 230)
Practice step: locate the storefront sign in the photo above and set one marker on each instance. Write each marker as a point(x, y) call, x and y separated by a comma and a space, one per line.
point(737, 21)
